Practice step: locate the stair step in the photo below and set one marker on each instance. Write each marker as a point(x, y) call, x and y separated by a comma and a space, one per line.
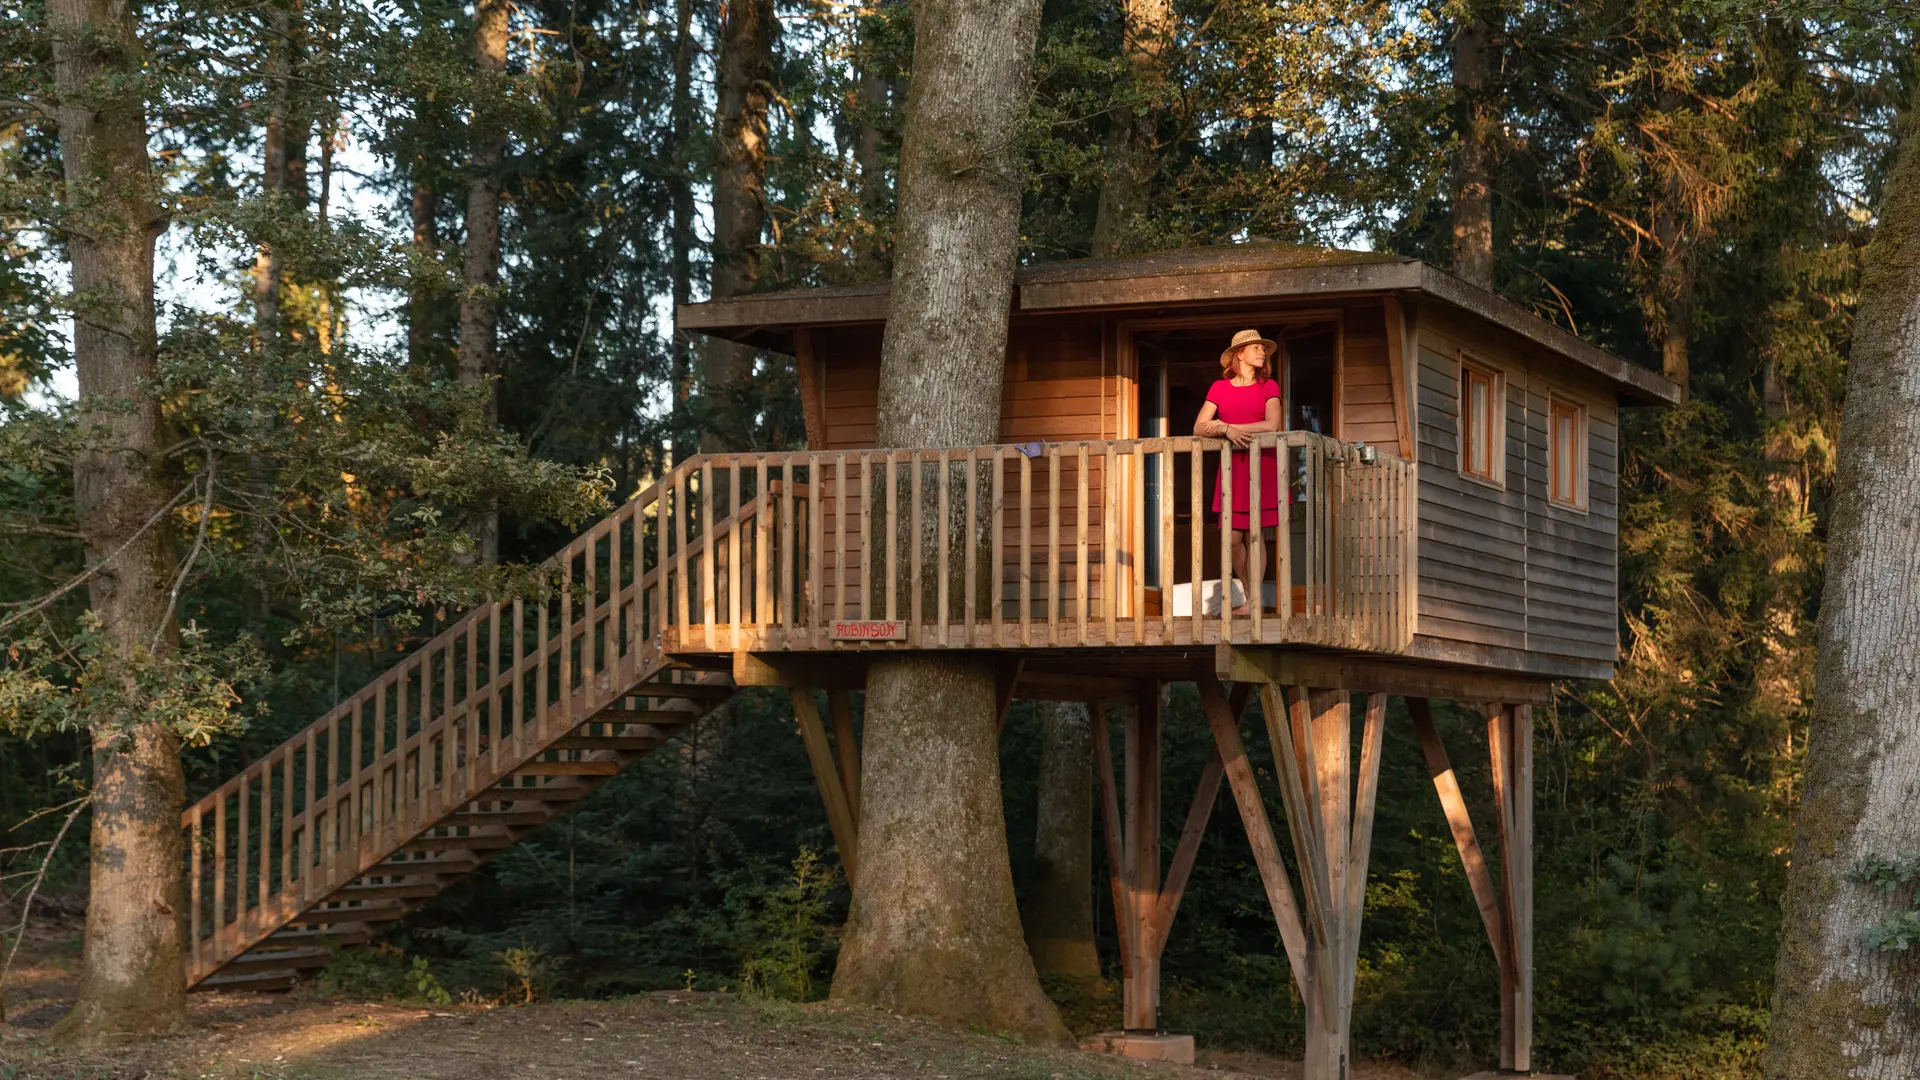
point(504, 818)
point(329, 935)
point(567, 768)
point(692, 691)
point(469, 843)
point(262, 956)
point(630, 744)
point(444, 866)
point(366, 913)
point(553, 795)
point(250, 980)
point(397, 890)
point(666, 718)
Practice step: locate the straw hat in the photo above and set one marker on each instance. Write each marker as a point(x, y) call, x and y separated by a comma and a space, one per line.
point(1247, 337)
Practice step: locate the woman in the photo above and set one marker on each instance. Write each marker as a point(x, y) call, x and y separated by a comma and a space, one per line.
point(1243, 404)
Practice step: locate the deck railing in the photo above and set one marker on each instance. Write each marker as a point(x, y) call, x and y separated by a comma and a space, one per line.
point(1037, 546)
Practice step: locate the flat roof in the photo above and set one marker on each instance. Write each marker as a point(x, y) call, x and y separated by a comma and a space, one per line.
point(1199, 275)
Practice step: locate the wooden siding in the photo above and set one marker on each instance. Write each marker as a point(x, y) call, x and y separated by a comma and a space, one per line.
point(1501, 566)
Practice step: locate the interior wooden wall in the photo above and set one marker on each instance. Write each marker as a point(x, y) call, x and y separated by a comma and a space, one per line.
point(1365, 383)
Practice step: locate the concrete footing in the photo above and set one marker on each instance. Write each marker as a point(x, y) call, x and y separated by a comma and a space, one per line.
point(1177, 1049)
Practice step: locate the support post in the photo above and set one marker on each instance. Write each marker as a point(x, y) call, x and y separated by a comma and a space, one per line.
point(1330, 809)
point(1141, 1006)
point(1507, 911)
point(1144, 906)
point(1510, 741)
point(840, 816)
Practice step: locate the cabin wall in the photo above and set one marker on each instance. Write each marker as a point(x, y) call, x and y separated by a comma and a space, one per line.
point(1502, 566)
point(1060, 385)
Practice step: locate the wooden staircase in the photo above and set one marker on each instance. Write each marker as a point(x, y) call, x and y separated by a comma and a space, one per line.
point(502, 721)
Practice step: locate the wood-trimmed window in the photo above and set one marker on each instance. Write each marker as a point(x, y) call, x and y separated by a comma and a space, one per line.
point(1483, 424)
point(1566, 454)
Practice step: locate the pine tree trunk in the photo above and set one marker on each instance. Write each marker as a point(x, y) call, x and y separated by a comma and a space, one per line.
point(1472, 202)
point(131, 979)
point(1840, 1008)
point(743, 92)
point(681, 132)
point(934, 928)
point(479, 300)
point(870, 103)
point(419, 302)
point(1059, 912)
point(1131, 156)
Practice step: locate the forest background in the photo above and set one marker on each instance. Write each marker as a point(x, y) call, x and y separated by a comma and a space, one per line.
point(1689, 186)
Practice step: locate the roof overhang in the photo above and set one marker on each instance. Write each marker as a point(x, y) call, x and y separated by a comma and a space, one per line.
point(1189, 276)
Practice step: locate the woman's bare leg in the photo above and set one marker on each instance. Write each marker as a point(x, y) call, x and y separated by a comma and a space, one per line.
point(1239, 571)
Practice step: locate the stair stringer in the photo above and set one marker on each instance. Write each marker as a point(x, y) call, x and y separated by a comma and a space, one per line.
point(280, 926)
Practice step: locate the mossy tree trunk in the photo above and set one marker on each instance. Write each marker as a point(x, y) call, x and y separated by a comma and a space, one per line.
point(480, 298)
point(1841, 1007)
point(1059, 911)
point(934, 928)
point(131, 980)
point(1133, 137)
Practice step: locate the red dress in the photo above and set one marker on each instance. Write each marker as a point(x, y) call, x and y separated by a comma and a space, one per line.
point(1248, 405)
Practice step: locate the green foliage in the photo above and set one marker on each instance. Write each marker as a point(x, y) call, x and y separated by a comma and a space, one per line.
point(1900, 932)
point(783, 934)
point(382, 972)
point(82, 682)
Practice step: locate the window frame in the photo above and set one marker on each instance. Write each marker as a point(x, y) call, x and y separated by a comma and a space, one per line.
point(1557, 404)
point(1496, 439)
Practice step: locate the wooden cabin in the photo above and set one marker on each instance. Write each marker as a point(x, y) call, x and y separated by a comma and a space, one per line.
point(1503, 520)
point(1449, 530)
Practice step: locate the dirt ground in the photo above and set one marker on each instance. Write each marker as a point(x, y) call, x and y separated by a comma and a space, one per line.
point(682, 1036)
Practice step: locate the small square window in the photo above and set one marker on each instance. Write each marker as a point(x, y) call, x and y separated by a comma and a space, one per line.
point(1483, 424)
point(1567, 454)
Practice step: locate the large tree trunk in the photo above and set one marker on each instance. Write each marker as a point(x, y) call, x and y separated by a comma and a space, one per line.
point(1059, 912)
point(479, 300)
point(1472, 202)
point(1131, 155)
point(131, 978)
point(934, 928)
point(743, 91)
point(1842, 1009)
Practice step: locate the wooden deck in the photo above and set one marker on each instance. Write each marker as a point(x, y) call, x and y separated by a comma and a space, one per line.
point(1043, 546)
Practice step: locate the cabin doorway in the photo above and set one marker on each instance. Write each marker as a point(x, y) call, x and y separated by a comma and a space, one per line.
point(1175, 363)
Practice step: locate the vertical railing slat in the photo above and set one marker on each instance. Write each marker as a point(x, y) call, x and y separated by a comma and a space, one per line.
point(1053, 544)
point(917, 584)
point(943, 598)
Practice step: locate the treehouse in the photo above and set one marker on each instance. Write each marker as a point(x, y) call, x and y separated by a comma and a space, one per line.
point(1446, 527)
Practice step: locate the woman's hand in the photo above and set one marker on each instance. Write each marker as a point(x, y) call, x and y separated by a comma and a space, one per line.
point(1238, 436)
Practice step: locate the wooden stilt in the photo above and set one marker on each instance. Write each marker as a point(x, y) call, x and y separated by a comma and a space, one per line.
point(846, 748)
point(1253, 816)
point(1005, 681)
point(1142, 854)
point(1510, 742)
point(1330, 811)
point(1144, 906)
point(1507, 911)
point(826, 774)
